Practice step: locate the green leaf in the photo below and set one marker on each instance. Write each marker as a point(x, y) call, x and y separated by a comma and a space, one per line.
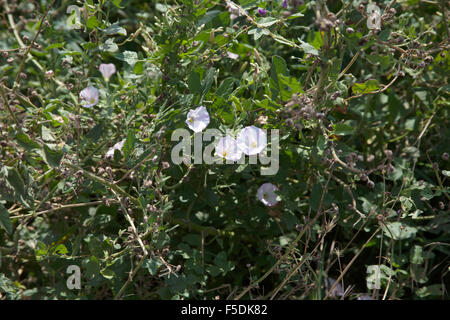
point(194, 83)
point(399, 231)
point(55, 46)
point(117, 3)
point(92, 22)
point(366, 87)
point(129, 57)
point(95, 246)
point(47, 134)
point(115, 29)
point(92, 268)
point(267, 21)
point(316, 194)
point(406, 203)
point(296, 15)
point(342, 129)
point(51, 155)
point(152, 265)
point(5, 221)
point(226, 87)
point(14, 180)
point(258, 33)
point(208, 80)
point(434, 290)
point(25, 141)
point(109, 46)
point(417, 255)
point(308, 48)
point(221, 261)
point(108, 274)
point(279, 67)
point(61, 249)
point(96, 132)
point(383, 60)
point(129, 143)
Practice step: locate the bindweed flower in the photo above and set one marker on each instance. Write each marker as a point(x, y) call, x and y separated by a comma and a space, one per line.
point(233, 9)
point(228, 149)
point(117, 146)
point(338, 291)
point(252, 140)
point(266, 194)
point(262, 11)
point(89, 97)
point(107, 70)
point(365, 297)
point(232, 55)
point(197, 119)
point(49, 74)
point(374, 19)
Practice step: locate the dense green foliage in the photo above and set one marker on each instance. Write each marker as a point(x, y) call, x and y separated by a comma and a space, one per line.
point(363, 116)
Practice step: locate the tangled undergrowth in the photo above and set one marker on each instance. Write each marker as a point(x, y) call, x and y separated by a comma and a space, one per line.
point(94, 206)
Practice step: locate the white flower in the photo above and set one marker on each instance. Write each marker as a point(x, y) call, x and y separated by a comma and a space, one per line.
point(234, 10)
point(107, 70)
point(228, 149)
point(89, 97)
point(197, 119)
point(374, 19)
point(117, 146)
point(232, 55)
point(337, 291)
point(267, 195)
point(252, 140)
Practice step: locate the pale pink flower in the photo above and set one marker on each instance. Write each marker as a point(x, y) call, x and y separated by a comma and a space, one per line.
point(89, 97)
point(197, 119)
point(107, 70)
point(266, 194)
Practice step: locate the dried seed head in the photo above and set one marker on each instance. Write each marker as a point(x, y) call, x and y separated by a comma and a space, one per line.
point(428, 59)
point(289, 122)
point(165, 165)
point(49, 74)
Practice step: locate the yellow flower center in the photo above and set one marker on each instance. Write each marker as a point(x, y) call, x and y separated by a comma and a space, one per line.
point(253, 144)
point(224, 153)
point(191, 120)
point(92, 100)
